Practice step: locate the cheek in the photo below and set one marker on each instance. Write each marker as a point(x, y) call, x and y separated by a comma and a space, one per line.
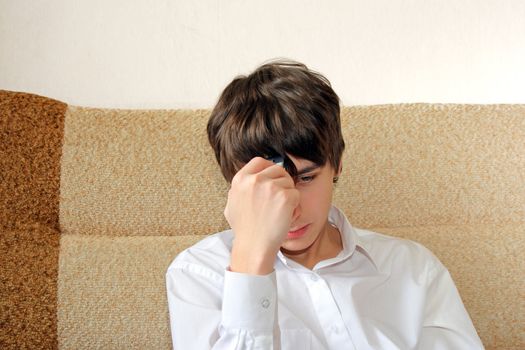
point(316, 200)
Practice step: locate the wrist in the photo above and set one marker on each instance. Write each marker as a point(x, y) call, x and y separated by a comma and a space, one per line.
point(252, 261)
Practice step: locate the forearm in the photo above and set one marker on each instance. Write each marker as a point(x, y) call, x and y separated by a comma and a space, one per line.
point(249, 309)
point(237, 312)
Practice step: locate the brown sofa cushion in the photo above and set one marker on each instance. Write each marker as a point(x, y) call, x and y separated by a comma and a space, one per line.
point(28, 293)
point(31, 135)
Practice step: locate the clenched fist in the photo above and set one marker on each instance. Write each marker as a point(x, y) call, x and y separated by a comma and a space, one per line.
point(261, 206)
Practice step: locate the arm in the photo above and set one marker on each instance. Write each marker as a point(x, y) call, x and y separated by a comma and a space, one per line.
point(261, 205)
point(238, 312)
point(446, 323)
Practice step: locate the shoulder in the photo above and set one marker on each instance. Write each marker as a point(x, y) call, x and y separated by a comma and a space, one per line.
point(394, 254)
point(210, 255)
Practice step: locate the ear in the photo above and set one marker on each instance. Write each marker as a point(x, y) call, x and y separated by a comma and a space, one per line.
point(340, 170)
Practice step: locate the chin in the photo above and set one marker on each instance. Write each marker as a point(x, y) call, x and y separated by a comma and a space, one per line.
point(298, 245)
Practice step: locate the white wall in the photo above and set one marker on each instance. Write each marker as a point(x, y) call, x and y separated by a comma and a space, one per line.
point(181, 53)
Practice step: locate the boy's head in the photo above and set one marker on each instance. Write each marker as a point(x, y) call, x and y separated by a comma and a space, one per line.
point(282, 108)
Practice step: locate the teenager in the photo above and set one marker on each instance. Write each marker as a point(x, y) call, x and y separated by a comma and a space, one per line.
point(292, 273)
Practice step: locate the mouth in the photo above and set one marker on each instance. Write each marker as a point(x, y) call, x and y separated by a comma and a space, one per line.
point(298, 233)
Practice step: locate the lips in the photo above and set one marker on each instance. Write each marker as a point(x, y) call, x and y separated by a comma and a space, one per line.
point(298, 233)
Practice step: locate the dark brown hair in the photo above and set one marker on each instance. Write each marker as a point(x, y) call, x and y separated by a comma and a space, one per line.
point(281, 108)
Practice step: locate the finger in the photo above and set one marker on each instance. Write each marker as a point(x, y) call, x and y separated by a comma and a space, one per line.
point(256, 165)
point(285, 182)
point(277, 172)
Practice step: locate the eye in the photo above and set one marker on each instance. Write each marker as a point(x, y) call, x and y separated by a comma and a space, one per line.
point(305, 178)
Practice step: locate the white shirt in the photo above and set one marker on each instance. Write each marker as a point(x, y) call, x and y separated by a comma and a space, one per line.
point(380, 292)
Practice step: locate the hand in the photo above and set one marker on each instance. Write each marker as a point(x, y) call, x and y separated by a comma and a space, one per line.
point(260, 208)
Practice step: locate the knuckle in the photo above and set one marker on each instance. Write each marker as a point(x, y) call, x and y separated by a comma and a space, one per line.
point(256, 178)
point(282, 196)
point(237, 179)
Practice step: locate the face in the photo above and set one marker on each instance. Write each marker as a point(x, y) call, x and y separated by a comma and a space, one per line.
point(315, 185)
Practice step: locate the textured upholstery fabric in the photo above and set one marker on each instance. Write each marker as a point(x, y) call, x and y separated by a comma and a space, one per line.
point(114, 286)
point(28, 286)
point(95, 211)
point(432, 164)
point(31, 134)
point(139, 173)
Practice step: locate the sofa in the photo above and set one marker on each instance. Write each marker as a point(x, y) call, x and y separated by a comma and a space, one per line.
point(95, 203)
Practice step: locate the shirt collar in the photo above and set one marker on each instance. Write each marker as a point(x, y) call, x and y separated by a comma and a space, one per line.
point(349, 238)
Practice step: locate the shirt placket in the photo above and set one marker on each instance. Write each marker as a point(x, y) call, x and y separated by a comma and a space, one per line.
point(330, 318)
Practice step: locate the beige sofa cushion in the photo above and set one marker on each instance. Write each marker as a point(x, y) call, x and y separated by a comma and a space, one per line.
point(111, 292)
point(432, 164)
point(126, 172)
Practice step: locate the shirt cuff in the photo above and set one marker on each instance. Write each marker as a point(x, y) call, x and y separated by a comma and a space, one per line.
point(249, 301)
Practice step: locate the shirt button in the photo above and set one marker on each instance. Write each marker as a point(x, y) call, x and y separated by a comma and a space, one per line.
point(335, 330)
point(265, 303)
point(314, 277)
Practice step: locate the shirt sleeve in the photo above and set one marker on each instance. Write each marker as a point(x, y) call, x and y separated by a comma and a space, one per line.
point(209, 311)
point(446, 324)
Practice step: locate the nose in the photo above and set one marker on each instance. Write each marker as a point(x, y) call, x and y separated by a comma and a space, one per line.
point(296, 213)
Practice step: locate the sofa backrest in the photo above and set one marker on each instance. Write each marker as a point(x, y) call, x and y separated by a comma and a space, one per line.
point(404, 165)
point(125, 190)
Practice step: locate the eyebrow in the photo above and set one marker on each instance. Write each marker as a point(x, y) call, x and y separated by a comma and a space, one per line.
point(307, 169)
